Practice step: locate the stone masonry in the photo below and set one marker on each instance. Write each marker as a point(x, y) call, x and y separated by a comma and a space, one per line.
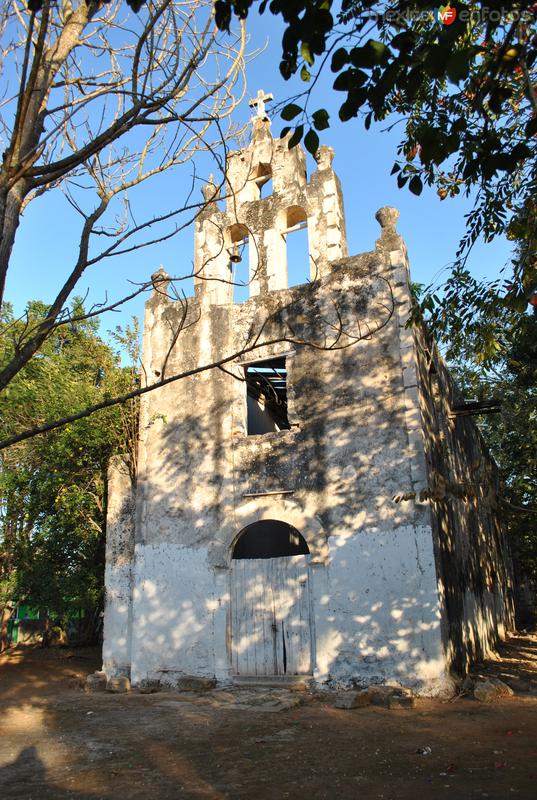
point(389, 591)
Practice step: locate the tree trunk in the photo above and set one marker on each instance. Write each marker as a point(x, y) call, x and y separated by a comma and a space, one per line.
point(45, 61)
point(10, 211)
point(46, 631)
point(5, 616)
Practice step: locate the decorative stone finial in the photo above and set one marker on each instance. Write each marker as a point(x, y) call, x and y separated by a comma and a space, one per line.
point(160, 280)
point(387, 217)
point(324, 157)
point(259, 104)
point(209, 190)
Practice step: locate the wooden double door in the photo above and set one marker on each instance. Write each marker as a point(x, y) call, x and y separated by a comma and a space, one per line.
point(271, 617)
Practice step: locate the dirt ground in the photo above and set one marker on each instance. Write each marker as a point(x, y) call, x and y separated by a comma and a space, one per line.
point(59, 742)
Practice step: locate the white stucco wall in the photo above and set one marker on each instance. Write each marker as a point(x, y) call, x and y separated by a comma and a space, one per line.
point(176, 600)
point(375, 606)
point(117, 620)
point(377, 611)
point(117, 629)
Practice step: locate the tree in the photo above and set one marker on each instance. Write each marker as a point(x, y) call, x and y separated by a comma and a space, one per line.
point(107, 103)
point(53, 491)
point(511, 435)
point(99, 101)
point(343, 330)
point(462, 78)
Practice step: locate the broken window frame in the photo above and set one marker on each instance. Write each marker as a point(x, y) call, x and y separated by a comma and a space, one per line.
point(267, 381)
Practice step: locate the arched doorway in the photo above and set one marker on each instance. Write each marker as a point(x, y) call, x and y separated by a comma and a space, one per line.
point(271, 620)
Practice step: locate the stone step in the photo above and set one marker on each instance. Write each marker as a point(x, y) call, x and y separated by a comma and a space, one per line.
point(275, 681)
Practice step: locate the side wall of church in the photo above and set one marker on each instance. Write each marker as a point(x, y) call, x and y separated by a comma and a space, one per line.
point(461, 483)
point(474, 564)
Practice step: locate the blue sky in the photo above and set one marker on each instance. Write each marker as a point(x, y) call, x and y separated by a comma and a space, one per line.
point(44, 248)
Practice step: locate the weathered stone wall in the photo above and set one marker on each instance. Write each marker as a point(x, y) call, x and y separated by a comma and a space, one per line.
point(349, 451)
point(387, 603)
point(471, 549)
point(473, 562)
point(264, 222)
point(118, 578)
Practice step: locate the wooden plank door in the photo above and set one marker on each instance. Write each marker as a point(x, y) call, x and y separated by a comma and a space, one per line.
point(270, 616)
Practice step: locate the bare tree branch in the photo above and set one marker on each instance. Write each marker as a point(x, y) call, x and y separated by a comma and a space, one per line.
point(107, 101)
point(341, 340)
point(110, 95)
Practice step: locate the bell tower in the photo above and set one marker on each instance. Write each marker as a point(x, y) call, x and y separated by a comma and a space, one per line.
point(267, 197)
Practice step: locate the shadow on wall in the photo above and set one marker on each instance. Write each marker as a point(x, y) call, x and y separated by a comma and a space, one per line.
point(376, 600)
point(472, 550)
point(376, 610)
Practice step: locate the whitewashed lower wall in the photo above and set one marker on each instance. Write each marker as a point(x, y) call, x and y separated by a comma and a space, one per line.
point(375, 605)
point(117, 630)
point(117, 620)
point(178, 603)
point(377, 611)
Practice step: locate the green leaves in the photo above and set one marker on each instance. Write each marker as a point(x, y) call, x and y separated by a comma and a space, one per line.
point(371, 54)
point(465, 90)
point(349, 80)
point(305, 52)
point(290, 112)
point(296, 137)
point(530, 128)
point(458, 65)
point(321, 119)
point(53, 487)
point(355, 99)
point(136, 5)
point(415, 185)
point(311, 142)
point(404, 41)
point(339, 59)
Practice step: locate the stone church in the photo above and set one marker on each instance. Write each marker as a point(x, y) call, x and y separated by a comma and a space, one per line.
point(319, 505)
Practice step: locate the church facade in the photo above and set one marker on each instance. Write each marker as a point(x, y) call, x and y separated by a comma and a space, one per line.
point(319, 504)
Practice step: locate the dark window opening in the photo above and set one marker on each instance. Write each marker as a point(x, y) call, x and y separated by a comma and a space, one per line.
point(270, 538)
point(266, 396)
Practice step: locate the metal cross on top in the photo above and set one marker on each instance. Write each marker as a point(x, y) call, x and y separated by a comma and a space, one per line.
point(259, 103)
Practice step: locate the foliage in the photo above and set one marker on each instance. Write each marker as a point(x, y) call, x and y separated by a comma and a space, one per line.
point(512, 435)
point(465, 85)
point(471, 316)
point(466, 88)
point(53, 490)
